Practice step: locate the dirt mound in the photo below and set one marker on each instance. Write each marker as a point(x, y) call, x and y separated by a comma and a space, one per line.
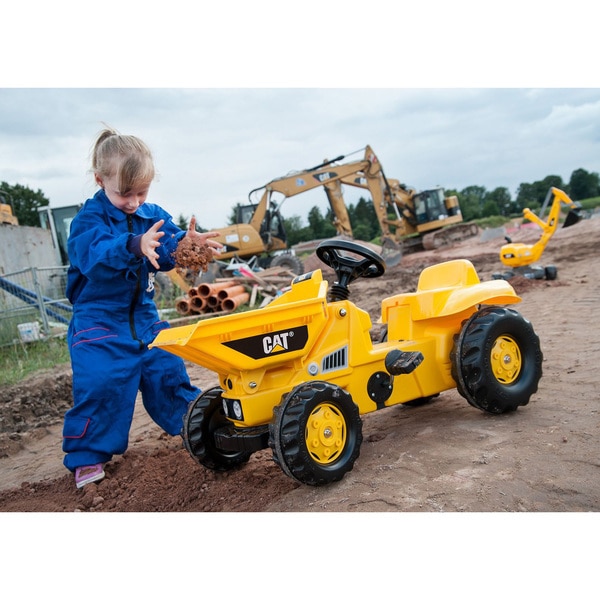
point(29, 408)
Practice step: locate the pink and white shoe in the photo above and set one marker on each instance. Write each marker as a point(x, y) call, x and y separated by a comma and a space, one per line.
point(88, 474)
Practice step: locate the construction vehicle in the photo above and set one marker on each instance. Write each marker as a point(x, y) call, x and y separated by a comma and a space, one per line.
point(7, 216)
point(424, 220)
point(421, 220)
point(296, 375)
point(520, 257)
point(259, 230)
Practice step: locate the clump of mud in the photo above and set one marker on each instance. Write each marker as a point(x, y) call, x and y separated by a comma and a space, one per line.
point(193, 256)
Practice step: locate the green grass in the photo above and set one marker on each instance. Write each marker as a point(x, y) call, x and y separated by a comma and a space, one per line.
point(18, 361)
point(590, 203)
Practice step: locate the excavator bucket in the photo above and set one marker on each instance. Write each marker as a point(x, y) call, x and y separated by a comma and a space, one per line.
point(391, 252)
point(573, 217)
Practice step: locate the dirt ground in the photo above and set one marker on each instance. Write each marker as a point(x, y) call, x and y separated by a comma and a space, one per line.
point(445, 456)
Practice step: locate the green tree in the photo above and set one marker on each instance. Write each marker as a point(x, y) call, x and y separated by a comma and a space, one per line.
point(471, 202)
point(532, 195)
point(295, 231)
point(526, 195)
point(321, 227)
point(364, 220)
point(583, 185)
point(500, 197)
point(24, 202)
point(490, 209)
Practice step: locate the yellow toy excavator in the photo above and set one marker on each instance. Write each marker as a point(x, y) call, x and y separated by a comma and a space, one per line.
point(519, 257)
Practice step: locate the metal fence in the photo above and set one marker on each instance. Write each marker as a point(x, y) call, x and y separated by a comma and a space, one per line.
point(33, 304)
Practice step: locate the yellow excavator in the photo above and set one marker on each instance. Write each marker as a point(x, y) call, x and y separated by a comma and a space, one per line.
point(259, 229)
point(7, 217)
point(419, 220)
point(520, 257)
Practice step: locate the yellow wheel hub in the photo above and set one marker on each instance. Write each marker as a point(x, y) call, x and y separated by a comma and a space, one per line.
point(325, 433)
point(506, 359)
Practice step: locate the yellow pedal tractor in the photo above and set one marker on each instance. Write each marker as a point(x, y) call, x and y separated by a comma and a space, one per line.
point(297, 375)
point(521, 257)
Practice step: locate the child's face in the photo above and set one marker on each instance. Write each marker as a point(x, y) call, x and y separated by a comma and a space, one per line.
point(128, 202)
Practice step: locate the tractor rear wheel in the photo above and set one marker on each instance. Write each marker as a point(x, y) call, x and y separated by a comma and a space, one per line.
point(496, 360)
point(316, 433)
point(204, 417)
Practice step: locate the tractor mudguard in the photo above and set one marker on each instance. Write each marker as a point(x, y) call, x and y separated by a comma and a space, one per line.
point(447, 289)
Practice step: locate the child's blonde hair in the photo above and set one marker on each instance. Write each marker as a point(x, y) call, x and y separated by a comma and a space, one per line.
point(123, 156)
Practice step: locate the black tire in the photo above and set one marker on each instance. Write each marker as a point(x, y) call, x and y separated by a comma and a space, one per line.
point(288, 261)
point(496, 360)
point(204, 416)
point(316, 433)
point(551, 272)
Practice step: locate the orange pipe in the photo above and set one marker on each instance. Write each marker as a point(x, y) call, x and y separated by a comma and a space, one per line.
point(206, 289)
point(197, 303)
point(212, 301)
point(230, 291)
point(183, 306)
point(233, 302)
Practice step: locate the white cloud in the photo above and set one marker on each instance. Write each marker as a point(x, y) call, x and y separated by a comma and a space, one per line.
point(213, 146)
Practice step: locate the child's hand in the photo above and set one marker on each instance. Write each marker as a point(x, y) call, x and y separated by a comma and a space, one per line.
point(149, 243)
point(204, 238)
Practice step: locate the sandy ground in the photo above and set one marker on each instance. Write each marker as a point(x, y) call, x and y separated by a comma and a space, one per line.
point(445, 456)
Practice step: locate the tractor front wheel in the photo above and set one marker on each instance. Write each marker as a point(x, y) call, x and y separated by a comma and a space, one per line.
point(316, 433)
point(496, 360)
point(204, 417)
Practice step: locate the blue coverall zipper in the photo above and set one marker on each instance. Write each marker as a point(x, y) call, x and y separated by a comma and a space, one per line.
point(135, 294)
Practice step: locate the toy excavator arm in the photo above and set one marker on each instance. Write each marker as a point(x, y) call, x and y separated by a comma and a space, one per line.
point(549, 226)
point(517, 254)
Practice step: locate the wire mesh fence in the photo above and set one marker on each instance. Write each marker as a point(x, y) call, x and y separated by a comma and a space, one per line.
point(33, 304)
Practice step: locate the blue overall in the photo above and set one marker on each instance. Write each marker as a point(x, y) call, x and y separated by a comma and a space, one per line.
point(114, 319)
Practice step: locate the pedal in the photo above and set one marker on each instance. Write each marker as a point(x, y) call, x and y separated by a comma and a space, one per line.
point(398, 362)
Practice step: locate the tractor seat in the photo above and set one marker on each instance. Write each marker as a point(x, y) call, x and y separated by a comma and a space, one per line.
point(449, 274)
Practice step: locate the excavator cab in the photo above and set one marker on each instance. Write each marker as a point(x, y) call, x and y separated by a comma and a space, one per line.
point(430, 206)
point(272, 226)
point(244, 213)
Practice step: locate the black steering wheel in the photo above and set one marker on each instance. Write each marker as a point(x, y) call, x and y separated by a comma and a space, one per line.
point(365, 263)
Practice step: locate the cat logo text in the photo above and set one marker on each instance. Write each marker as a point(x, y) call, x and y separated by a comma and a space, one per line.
point(276, 342)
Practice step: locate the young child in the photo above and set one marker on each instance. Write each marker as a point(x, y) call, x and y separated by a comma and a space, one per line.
point(116, 245)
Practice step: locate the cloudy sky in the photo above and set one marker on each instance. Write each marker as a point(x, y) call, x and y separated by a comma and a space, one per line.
point(213, 146)
point(243, 93)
